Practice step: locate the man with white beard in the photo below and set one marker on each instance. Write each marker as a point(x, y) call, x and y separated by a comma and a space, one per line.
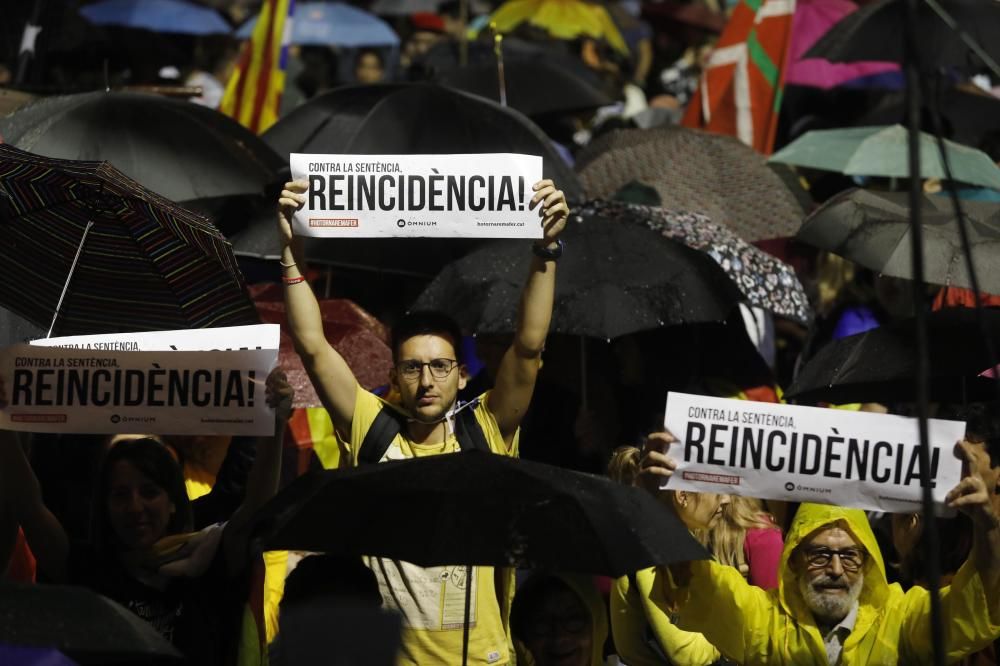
point(833, 604)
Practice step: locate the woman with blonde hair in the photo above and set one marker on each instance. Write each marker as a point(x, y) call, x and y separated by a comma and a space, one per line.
point(748, 539)
point(643, 632)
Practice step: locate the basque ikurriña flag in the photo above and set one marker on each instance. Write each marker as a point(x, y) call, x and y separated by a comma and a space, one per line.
point(253, 92)
point(740, 89)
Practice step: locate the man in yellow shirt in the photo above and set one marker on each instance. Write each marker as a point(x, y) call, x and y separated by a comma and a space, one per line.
point(427, 375)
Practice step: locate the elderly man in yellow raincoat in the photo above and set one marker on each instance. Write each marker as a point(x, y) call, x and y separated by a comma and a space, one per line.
point(834, 604)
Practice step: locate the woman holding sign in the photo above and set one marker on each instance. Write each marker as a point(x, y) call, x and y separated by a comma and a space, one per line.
point(144, 555)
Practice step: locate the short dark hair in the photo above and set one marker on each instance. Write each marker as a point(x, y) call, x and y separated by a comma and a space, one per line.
point(426, 322)
point(152, 459)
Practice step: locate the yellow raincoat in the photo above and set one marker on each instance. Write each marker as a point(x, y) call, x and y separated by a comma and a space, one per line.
point(751, 626)
point(583, 587)
point(643, 631)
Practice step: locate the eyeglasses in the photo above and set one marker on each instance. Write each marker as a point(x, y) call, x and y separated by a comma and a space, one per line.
point(440, 368)
point(851, 559)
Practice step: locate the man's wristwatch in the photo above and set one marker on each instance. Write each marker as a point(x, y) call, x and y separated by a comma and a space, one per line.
point(547, 253)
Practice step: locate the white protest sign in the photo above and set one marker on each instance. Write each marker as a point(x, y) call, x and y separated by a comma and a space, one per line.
point(807, 454)
point(370, 196)
point(257, 336)
point(191, 404)
point(55, 389)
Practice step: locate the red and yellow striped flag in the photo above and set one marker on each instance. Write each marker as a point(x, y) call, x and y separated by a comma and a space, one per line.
point(740, 90)
point(253, 92)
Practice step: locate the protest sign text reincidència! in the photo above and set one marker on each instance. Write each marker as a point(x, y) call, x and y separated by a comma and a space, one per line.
point(787, 452)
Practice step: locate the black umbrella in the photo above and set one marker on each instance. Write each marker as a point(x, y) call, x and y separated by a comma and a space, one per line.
point(478, 509)
point(613, 279)
point(390, 119)
point(186, 152)
point(873, 229)
point(875, 32)
point(83, 240)
point(967, 116)
point(880, 365)
point(85, 626)
point(545, 82)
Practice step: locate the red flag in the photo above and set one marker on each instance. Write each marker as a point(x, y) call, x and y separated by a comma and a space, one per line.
point(740, 89)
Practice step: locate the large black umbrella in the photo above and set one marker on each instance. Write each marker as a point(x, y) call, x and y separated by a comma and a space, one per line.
point(389, 119)
point(694, 171)
point(83, 625)
point(880, 365)
point(875, 32)
point(478, 509)
point(186, 152)
point(540, 83)
point(765, 281)
point(82, 239)
point(873, 229)
point(613, 279)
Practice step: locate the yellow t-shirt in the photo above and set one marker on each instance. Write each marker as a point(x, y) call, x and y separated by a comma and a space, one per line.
point(432, 600)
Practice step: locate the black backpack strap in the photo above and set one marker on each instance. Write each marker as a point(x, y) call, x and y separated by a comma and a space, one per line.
point(468, 431)
point(387, 424)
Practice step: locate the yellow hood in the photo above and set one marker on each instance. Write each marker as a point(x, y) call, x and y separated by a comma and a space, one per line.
point(808, 519)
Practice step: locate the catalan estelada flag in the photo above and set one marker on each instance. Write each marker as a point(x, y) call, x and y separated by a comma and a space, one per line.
point(254, 89)
point(740, 89)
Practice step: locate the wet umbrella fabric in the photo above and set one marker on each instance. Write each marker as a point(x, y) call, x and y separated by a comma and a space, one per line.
point(694, 171)
point(881, 150)
point(766, 282)
point(880, 365)
point(187, 153)
point(873, 229)
point(481, 509)
point(535, 86)
point(873, 33)
point(967, 115)
point(614, 279)
point(333, 24)
point(146, 264)
point(83, 625)
point(174, 16)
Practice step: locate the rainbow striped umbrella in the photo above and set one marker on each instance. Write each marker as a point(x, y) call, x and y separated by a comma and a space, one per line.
point(84, 240)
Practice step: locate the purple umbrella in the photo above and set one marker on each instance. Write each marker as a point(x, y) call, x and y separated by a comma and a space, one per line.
point(811, 21)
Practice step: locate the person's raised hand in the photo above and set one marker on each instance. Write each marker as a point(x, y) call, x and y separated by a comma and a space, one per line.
point(972, 496)
point(279, 394)
point(293, 197)
point(655, 466)
point(554, 210)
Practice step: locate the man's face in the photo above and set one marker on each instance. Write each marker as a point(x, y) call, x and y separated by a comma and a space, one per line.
point(425, 396)
point(830, 564)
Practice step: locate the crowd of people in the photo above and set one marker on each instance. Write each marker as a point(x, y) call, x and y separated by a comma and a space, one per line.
point(164, 524)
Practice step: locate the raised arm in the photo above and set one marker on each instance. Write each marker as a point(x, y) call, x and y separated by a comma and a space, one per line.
point(515, 380)
point(331, 376)
point(262, 483)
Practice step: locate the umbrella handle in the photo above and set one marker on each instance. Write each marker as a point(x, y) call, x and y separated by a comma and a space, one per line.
point(72, 268)
point(468, 611)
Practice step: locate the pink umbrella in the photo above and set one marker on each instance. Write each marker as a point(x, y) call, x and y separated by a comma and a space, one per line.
point(811, 21)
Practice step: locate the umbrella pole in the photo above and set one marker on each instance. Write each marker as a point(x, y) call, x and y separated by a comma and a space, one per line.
point(72, 268)
point(583, 373)
point(912, 72)
point(468, 614)
point(498, 52)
